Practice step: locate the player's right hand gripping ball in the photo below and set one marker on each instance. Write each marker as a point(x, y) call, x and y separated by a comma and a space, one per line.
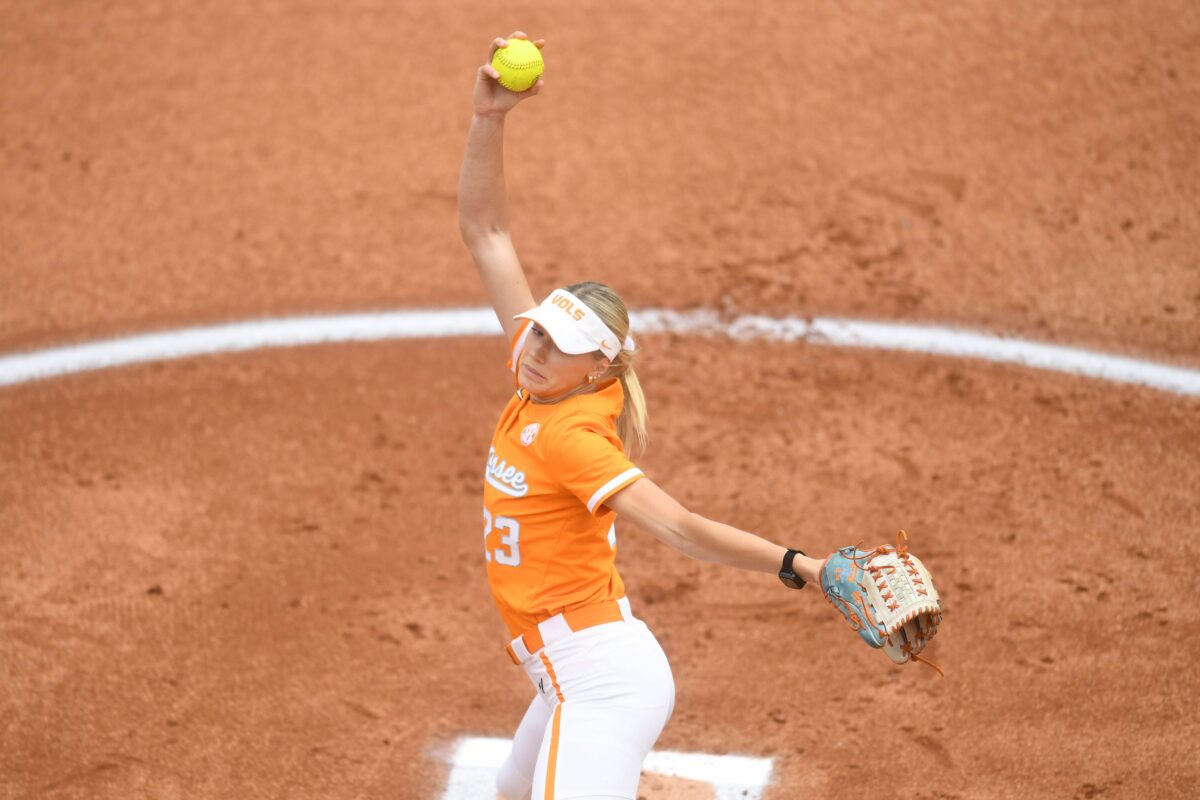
point(520, 64)
point(887, 595)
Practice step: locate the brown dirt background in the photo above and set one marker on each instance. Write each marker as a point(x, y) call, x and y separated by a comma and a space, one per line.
point(258, 575)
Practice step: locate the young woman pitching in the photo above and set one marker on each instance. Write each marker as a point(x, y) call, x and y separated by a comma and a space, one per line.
point(559, 473)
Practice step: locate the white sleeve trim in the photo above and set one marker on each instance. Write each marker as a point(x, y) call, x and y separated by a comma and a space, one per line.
point(519, 345)
point(607, 488)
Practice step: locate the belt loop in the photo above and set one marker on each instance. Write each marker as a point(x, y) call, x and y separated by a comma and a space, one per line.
point(626, 610)
point(554, 628)
point(517, 650)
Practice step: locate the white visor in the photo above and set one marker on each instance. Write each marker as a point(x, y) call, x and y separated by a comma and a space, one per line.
point(574, 327)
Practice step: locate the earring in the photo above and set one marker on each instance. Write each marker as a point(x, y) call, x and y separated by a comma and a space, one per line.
point(591, 378)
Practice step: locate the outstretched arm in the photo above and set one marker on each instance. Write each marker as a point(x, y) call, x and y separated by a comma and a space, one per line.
point(482, 197)
point(652, 508)
point(885, 593)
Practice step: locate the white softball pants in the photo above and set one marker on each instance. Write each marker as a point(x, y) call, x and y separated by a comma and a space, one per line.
point(603, 696)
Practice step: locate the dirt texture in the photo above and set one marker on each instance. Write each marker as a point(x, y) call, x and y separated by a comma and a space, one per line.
point(259, 575)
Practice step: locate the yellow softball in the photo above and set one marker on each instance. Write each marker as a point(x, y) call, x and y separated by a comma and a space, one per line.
point(520, 64)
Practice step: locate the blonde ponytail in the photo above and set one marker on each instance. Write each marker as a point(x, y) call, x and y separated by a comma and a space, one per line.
point(608, 305)
point(631, 426)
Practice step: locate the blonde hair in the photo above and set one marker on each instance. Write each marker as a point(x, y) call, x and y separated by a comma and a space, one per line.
point(608, 305)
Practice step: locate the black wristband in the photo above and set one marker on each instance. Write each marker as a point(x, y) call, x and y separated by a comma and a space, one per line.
point(787, 575)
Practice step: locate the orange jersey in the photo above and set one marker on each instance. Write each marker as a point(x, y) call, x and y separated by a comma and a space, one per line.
point(549, 540)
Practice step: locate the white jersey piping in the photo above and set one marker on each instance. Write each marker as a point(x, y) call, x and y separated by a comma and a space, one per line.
point(603, 491)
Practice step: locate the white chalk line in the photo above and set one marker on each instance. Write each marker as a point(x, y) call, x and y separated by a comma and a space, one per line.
point(376, 326)
point(475, 760)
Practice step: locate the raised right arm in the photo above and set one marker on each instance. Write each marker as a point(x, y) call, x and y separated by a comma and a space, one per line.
point(482, 197)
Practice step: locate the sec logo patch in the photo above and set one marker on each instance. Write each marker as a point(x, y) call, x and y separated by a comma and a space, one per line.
point(530, 433)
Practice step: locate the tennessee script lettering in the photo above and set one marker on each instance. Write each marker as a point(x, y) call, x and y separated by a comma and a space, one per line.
point(505, 477)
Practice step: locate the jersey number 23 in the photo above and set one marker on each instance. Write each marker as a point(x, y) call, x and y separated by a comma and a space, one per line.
point(508, 552)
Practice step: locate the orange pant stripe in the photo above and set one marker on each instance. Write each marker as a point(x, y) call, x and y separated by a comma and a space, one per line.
point(552, 761)
point(553, 677)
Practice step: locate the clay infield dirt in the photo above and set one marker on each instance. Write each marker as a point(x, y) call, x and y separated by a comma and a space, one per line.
point(258, 575)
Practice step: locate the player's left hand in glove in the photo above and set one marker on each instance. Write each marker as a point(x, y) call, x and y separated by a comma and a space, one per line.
point(887, 595)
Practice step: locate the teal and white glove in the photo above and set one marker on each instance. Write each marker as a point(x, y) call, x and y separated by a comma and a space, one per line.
point(887, 595)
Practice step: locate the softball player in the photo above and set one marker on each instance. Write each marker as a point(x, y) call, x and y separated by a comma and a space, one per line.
point(558, 475)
